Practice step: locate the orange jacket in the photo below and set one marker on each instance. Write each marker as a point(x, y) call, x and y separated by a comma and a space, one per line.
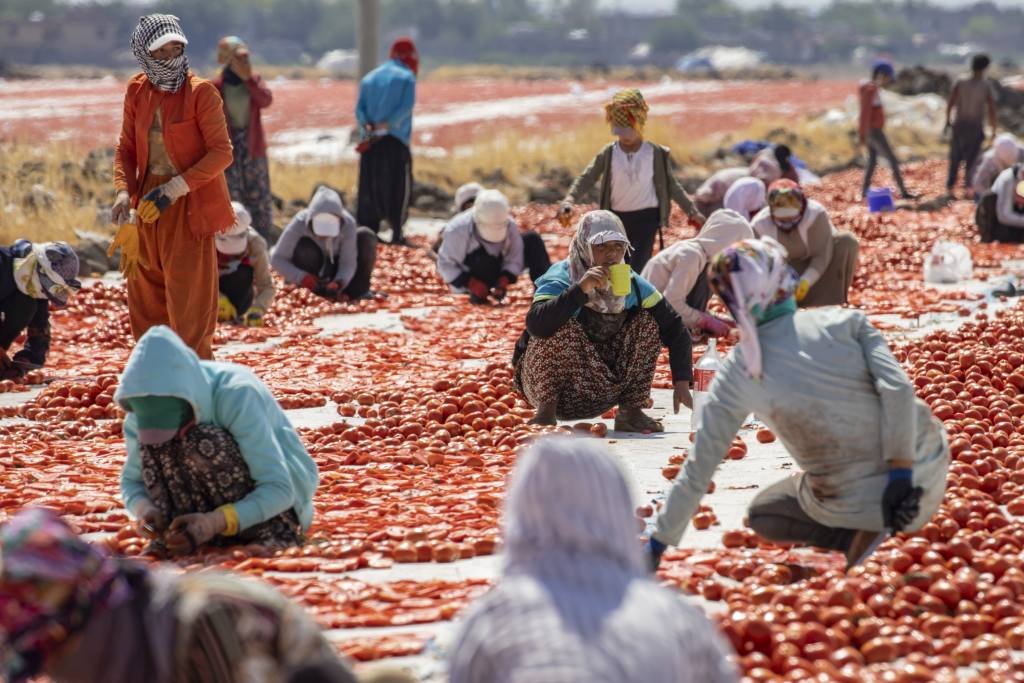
point(198, 144)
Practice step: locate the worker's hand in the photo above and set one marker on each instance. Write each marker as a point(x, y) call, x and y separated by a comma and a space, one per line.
point(188, 532)
point(697, 219)
point(713, 325)
point(681, 395)
point(253, 317)
point(242, 67)
point(331, 288)
point(565, 211)
point(225, 309)
point(160, 198)
point(901, 500)
point(653, 552)
point(149, 521)
point(501, 289)
point(595, 278)
point(309, 282)
point(801, 290)
point(121, 209)
point(127, 240)
point(478, 289)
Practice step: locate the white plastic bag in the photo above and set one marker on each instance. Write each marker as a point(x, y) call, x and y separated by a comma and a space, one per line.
point(948, 263)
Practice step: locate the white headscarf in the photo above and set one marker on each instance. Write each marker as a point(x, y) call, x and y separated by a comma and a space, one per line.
point(596, 227)
point(753, 278)
point(746, 197)
point(1006, 149)
point(465, 193)
point(490, 215)
point(569, 511)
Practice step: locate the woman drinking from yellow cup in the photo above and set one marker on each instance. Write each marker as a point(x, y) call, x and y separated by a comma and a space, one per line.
point(594, 332)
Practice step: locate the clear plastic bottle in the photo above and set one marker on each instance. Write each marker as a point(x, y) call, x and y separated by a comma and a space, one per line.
point(703, 376)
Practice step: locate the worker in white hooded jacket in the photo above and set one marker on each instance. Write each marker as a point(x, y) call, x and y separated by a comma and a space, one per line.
point(483, 251)
point(680, 272)
point(1005, 152)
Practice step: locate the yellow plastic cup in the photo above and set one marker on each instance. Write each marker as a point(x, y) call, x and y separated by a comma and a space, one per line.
point(620, 277)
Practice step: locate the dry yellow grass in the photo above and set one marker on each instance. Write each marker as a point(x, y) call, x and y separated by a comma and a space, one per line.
point(519, 159)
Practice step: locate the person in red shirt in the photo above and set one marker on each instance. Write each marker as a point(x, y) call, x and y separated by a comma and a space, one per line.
point(871, 132)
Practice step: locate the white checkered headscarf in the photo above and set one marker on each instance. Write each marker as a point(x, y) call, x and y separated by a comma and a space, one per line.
point(165, 74)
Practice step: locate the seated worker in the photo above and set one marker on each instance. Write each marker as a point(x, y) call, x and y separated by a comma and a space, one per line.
point(1005, 152)
point(574, 587)
point(483, 252)
point(680, 272)
point(212, 458)
point(747, 197)
point(323, 250)
point(74, 614)
point(246, 285)
point(826, 260)
point(872, 455)
point(637, 179)
point(774, 162)
point(710, 196)
point(1000, 213)
point(585, 349)
point(33, 277)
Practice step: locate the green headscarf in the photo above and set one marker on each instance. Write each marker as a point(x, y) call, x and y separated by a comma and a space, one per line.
point(159, 417)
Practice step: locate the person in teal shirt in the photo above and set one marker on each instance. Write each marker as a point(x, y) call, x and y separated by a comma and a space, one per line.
point(387, 96)
point(211, 455)
point(586, 350)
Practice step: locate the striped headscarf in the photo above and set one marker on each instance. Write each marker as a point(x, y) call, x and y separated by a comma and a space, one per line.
point(165, 74)
point(51, 582)
point(757, 285)
point(627, 109)
point(596, 227)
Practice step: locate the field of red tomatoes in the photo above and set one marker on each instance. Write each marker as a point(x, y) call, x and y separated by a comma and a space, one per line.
point(426, 425)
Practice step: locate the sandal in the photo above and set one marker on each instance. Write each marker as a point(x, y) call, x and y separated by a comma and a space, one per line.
point(638, 422)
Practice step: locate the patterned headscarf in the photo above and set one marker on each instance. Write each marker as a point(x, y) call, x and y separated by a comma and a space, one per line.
point(48, 272)
point(165, 74)
point(627, 109)
point(596, 227)
point(757, 285)
point(787, 203)
point(51, 582)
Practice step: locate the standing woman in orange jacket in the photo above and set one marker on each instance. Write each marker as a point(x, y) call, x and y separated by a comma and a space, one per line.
point(169, 164)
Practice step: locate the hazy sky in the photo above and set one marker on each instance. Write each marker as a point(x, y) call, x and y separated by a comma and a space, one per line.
point(662, 5)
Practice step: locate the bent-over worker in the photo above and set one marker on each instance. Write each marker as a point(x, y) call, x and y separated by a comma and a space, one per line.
point(246, 285)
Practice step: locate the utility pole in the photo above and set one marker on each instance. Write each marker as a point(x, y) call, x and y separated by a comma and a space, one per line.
point(369, 35)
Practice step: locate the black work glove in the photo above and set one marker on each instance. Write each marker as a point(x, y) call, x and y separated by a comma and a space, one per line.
point(901, 500)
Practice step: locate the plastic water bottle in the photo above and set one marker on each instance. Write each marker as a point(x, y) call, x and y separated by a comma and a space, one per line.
point(703, 376)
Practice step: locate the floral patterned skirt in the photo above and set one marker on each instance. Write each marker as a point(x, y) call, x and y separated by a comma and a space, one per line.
point(202, 469)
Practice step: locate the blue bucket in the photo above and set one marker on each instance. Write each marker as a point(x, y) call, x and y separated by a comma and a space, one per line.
point(880, 199)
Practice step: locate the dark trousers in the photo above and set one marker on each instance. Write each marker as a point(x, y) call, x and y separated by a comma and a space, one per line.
point(775, 514)
point(535, 254)
point(237, 287)
point(16, 313)
point(385, 185)
point(964, 147)
point(879, 144)
point(641, 229)
point(310, 257)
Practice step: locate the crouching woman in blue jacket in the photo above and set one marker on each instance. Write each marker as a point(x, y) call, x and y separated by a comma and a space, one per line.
point(212, 458)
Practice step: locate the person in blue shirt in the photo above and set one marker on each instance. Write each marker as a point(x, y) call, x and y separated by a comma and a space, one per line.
point(212, 458)
point(586, 350)
point(384, 115)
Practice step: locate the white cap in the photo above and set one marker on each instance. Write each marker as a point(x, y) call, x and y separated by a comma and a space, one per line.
point(160, 41)
point(490, 215)
point(326, 225)
point(467, 192)
point(235, 240)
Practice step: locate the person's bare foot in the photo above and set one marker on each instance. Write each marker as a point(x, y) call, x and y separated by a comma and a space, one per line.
point(636, 420)
point(545, 416)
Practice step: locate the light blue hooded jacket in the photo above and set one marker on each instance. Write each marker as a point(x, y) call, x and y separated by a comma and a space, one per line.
point(231, 397)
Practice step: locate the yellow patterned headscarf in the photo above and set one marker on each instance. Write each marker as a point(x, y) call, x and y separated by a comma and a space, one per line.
point(627, 109)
